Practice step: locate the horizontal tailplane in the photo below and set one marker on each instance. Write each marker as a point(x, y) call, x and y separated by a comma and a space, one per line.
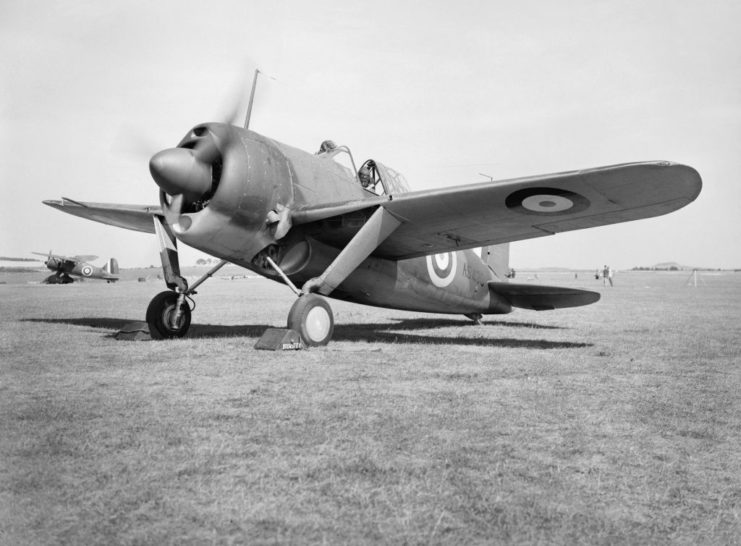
point(542, 298)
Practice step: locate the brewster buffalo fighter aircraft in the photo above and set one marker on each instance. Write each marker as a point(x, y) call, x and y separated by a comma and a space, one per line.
point(76, 266)
point(360, 235)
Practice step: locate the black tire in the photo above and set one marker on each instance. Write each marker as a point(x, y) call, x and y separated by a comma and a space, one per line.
point(159, 313)
point(311, 316)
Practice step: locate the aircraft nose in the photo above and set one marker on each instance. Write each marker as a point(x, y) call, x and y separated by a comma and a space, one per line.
point(177, 171)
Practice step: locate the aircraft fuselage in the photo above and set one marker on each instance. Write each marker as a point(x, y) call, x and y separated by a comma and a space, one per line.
point(65, 267)
point(259, 178)
point(451, 282)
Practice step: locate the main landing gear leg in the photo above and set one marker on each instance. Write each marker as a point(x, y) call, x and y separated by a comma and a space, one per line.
point(168, 314)
point(310, 316)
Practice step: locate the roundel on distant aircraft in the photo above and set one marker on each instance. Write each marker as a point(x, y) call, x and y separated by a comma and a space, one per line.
point(546, 201)
point(442, 268)
point(87, 270)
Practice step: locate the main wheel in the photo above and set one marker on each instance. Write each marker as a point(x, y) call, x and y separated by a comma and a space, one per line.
point(160, 313)
point(311, 316)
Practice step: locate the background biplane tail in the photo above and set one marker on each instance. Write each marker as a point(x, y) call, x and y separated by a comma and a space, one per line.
point(111, 267)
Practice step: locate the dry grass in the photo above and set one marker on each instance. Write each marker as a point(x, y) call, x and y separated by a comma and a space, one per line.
point(618, 423)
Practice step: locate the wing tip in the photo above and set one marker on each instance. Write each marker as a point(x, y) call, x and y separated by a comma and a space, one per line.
point(63, 202)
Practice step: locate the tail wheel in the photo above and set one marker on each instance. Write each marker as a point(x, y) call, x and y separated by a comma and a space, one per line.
point(311, 316)
point(161, 312)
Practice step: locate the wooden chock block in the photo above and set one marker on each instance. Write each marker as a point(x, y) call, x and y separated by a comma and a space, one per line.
point(134, 331)
point(280, 339)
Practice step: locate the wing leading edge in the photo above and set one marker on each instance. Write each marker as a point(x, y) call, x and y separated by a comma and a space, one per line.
point(135, 217)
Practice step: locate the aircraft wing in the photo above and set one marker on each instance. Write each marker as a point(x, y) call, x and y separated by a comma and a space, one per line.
point(135, 217)
point(69, 262)
point(490, 213)
point(13, 259)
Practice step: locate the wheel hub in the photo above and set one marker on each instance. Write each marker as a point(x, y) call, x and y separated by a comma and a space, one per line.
point(318, 323)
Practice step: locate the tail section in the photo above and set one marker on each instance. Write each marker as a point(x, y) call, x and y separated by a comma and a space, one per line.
point(111, 267)
point(497, 258)
point(505, 295)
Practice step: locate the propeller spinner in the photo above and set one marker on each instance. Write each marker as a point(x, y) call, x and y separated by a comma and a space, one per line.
point(178, 171)
point(189, 174)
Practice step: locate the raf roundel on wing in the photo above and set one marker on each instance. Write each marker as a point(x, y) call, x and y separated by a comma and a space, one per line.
point(546, 201)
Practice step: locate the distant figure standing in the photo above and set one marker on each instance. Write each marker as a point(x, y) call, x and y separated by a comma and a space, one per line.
point(607, 275)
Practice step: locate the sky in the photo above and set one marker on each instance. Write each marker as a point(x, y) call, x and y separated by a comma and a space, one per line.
point(448, 93)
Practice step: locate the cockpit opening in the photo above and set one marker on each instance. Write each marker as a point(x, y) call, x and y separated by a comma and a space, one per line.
point(370, 178)
point(373, 176)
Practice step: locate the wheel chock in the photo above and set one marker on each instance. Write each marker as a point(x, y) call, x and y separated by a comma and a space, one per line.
point(134, 331)
point(280, 339)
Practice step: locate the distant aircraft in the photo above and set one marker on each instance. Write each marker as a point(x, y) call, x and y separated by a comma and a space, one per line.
point(76, 266)
point(360, 235)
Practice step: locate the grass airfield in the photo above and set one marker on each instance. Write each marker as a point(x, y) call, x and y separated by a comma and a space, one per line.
point(617, 423)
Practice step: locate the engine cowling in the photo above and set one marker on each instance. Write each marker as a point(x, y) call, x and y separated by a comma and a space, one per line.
point(224, 190)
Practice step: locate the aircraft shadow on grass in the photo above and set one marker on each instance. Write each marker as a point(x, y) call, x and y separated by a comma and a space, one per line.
point(383, 332)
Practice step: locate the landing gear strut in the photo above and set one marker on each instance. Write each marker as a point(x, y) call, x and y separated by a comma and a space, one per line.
point(168, 314)
point(310, 315)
